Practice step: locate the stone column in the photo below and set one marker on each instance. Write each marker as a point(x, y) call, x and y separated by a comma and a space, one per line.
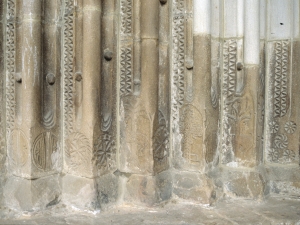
point(79, 137)
point(105, 145)
point(241, 101)
point(281, 146)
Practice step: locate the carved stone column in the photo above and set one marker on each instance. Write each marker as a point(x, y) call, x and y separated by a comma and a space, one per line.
point(281, 147)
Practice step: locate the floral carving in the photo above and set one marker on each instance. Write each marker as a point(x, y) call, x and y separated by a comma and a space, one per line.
point(281, 141)
point(273, 127)
point(273, 155)
point(104, 150)
point(289, 155)
point(290, 127)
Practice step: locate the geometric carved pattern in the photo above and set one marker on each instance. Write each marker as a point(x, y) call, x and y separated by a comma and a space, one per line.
point(10, 64)
point(178, 56)
point(126, 71)
point(126, 16)
point(104, 149)
point(68, 67)
point(229, 60)
point(280, 82)
point(161, 140)
point(231, 111)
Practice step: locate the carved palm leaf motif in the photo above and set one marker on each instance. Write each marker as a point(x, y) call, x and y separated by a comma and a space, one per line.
point(18, 148)
point(79, 152)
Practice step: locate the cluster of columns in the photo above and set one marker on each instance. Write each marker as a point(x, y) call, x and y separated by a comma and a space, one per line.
point(144, 101)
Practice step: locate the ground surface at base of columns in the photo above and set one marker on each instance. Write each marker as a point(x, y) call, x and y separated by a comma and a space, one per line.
point(271, 211)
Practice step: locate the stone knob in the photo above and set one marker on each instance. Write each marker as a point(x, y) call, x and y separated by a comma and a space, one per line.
point(18, 77)
point(108, 54)
point(78, 77)
point(50, 78)
point(239, 66)
point(189, 64)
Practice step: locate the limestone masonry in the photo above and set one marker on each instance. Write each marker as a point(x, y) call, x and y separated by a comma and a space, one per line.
point(144, 102)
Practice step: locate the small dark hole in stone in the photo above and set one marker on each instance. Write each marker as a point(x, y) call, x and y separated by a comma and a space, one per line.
point(281, 23)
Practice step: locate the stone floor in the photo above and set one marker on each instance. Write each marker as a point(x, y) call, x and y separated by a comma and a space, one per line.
point(272, 211)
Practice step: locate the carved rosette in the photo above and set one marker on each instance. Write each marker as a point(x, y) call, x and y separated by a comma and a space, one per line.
point(282, 134)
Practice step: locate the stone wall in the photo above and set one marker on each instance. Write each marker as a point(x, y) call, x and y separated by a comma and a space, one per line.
point(106, 102)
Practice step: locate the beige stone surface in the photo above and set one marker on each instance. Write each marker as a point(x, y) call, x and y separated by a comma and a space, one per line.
point(272, 211)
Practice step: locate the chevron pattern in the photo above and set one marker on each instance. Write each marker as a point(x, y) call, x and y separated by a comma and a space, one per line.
point(178, 62)
point(280, 82)
point(126, 16)
point(10, 65)
point(229, 60)
point(68, 67)
point(126, 71)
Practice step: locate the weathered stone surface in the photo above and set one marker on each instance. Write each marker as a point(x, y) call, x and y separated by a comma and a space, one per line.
point(243, 184)
point(107, 102)
point(79, 192)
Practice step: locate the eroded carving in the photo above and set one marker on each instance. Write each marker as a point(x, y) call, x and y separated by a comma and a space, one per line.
point(79, 152)
point(191, 127)
point(43, 148)
point(161, 142)
point(18, 148)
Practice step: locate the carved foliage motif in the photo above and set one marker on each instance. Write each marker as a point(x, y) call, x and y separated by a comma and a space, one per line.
point(126, 17)
point(43, 151)
point(68, 66)
point(104, 152)
point(280, 82)
point(191, 127)
point(228, 87)
point(126, 71)
point(10, 64)
point(18, 148)
point(238, 124)
point(161, 142)
point(282, 128)
point(79, 152)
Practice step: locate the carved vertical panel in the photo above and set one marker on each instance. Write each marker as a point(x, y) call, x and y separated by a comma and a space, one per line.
point(238, 139)
point(70, 150)
point(161, 135)
point(282, 135)
point(2, 88)
point(126, 36)
point(68, 53)
point(186, 90)
point(10, 64)
point(105, 144)
point(178, 57)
